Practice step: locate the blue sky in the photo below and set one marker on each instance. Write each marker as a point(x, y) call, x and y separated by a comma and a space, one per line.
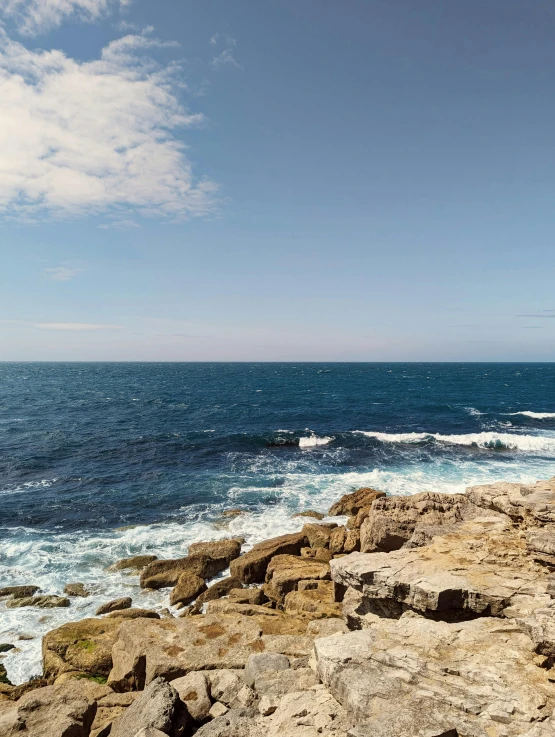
point(277, 180)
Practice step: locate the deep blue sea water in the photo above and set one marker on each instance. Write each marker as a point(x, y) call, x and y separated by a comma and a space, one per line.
point(161, 450)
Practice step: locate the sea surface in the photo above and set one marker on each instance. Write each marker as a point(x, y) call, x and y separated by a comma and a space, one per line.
point(103, 461)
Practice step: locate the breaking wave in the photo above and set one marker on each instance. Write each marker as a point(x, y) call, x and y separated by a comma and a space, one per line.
point(489, 440)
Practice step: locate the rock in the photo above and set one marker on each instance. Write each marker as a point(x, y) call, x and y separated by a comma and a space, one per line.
point(65, 710)
point(324, 555)
point(134, 613)
point(247, 596)
point(326, 627)
point(155, 708)
point(4, 675)
point(135, 563)
point(231, 606)
point(217, 710)
point(225, 684)
point(312, 713)
point(114, 605)
point(42, 602)
point(150, 732)
point(355, 522)
point(6, 647)
point(170, 648)
point(235, 723)
point(318, 536)
point(19, 592)
point(251, 567)
point(285, 571)
point(76, 589)
point(219, 550)
point(233, 513)
point(164, 573)
point(220, 588)
point(350, 504)
point(314, 600)
point(550, 586)
point(541, 544)
point(262, 662)
point(540, 627)
point(533, 505)
point(337, 540)
point(193, 691)
point(84, 646)
point(309, 513)
point(278, 683)
point(415, 677)
point(480, 569)
point(187, 589)
point(392, 521)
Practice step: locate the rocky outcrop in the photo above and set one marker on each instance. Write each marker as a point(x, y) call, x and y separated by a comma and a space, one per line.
point(76, 589)
point(350, 504)
point(285, 571)
point(220, 550)
point(136, 563)
point(313, 599)
point(223, 587)
point(164, 573)
point(193, 690)
point(42, 602)
point(345, 541)
point(187, 589)
point(133, 613)
point(18, 592)
point(156, 708)
point(251, 567)
point(114, 605)
point(318, 535)
point(415, 677)
point(247, 596)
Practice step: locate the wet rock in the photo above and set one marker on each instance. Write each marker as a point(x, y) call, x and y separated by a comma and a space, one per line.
point(134, 613)
point(231, 513)
point(6, 647)
point(247, 596)
point(170, 648)
point(155, 708)
point(84, 646)
point(135, 563)
point(285, 571)
point(193, 691)
point(164, 573)
point(114, 605)
point(416, 677)
point(220, 588)
point(19, 592)
point(42, 602)
point(350, 504)
point(76, 589)
point(262, 662)
point(251, 567)
point(187, 589)
point(309, 513)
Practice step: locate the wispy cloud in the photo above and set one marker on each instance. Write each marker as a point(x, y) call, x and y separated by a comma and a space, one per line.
point(97, 137)
point(66, 326)
point(225, 57)
point(543, 313)
point(62, 273)
point(36, 16)
point(121, 225)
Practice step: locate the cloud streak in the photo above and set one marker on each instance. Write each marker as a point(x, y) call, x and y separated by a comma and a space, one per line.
point(95, 138)
point(78, 327)
point(62, 273)
point(36, 16)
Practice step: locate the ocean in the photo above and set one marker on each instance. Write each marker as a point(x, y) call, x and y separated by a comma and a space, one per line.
point(103, 461)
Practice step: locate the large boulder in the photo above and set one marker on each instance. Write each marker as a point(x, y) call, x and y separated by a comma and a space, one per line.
point(416, 677)
point(220, 588)
point(344, 541)
point(391, 521)
point(318, 535)
point(84, 647)
point(164, 573)
point(136, 563)
point(147, 649)
point(251, 567)
point(65, 710)
point(224, 550)
point(187, 589)
point(193, 691)
point(155, 708)
point(18, 592)
point(533, 504)
point(42, 602)
point(116, 604)
point(481, 569)
point(285, 571)
point(350, 504)
point(76, 589)
point(313, 600)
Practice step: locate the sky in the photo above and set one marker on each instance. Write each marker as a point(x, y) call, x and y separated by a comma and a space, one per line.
point(259, 180)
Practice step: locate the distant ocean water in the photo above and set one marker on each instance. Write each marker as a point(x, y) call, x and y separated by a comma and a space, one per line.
point(103, 461)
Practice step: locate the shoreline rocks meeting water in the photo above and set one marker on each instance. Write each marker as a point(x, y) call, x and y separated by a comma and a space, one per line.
point(430, 615)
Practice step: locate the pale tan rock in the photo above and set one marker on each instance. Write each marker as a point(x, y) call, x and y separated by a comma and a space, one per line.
point(285, 571)
point(135, 563)
point(76, 589)
point(164, 573)
point(318, 535)
point(251, 567)
point(133, 613)
point(225, 685)
point(193, 691)
point(220, 588)
point(309, 513)
point(231, 606)
point(187, 589)
point(324, 555)
point(221, 550)
point(315, 600)
point(532, 504)
point(247, 596)
point(155, 708)
point(350, 504)
point(217, 710)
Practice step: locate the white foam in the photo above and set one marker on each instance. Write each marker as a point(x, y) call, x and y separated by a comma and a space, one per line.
point(526, 443)
point(313, 441)
point(535, 415)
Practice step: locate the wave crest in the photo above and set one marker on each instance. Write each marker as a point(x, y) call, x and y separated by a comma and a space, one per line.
point(535, 415)
point(489, 440)
point(313, 441)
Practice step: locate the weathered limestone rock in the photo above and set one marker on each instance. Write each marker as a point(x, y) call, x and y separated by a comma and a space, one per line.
point(134, 613)
point(225, 684)
point(187, 589)
point(220, 588)
point(350, 504)
point(540, 627)
point(312, 713)
point(251, 567)
point(259, 663)
point(247, 596)
point(114, 605)
point(314, 599)
point(324, 555)
point(285, 571)
point(217, 710)
point(42, 602)
point(221, 550)
point(66, 710)
point(193, 691)
point(18, 592)
point(541, 544)
point(318, 536)
point(479, 570)
point(231, 606)
point(309, 513)
point(415, 677)
point(84, 646)
point(170, 648)
point(135, 563)
point(277, 683)
point(326, 627)
point(163, 573)
point(155, 708)
point(76, 589)
point(392, 521)
point(533, 505)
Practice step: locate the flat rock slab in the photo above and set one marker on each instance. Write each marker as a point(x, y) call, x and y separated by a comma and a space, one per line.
point(147, 649)
point(478, 570)
point(415, 677)
point(532, 504)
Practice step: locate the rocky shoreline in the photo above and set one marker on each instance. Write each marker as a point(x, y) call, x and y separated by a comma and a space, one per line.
point(424, 616)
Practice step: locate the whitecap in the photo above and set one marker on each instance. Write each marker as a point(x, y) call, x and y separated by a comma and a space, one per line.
point(313, 441)
point(490, 440)
point(535, 415)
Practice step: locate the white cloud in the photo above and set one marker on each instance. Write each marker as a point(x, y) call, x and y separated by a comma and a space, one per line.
point(226, 57)
point(35, 16)
point(97, 137)
point(120, 225)
point(65, 326)
point(62, 273)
